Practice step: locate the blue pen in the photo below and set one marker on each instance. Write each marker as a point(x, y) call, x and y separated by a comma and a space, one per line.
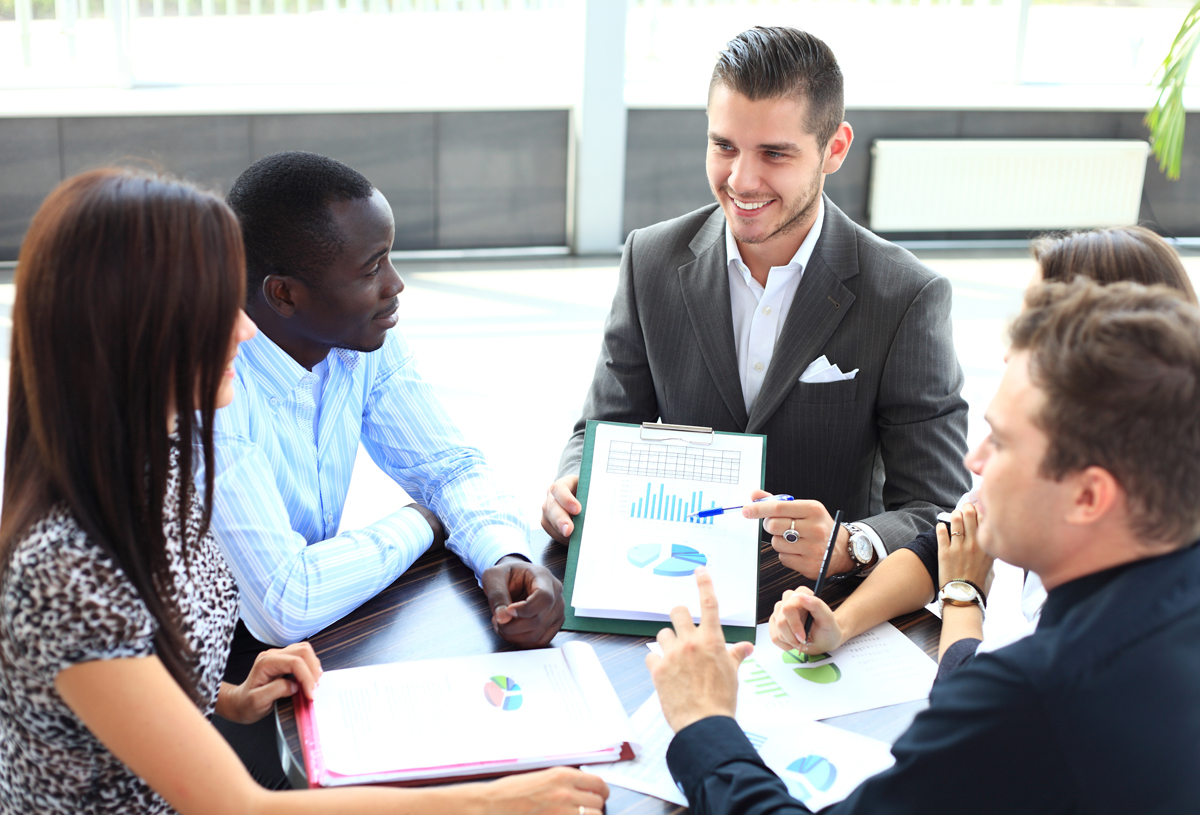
point(708, 513)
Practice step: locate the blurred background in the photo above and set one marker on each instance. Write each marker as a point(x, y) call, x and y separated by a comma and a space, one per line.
point(519, 141)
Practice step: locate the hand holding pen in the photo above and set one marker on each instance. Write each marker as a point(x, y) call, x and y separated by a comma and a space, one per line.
point(799, 531)
point(787, 630)
point(708, 513)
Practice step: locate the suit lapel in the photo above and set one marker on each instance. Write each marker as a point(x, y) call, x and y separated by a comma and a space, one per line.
point(820, 303)
point(705, 286)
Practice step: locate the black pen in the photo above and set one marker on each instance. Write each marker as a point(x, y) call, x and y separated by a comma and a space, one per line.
point(837, 527)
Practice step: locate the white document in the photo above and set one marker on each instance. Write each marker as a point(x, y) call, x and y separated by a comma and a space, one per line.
point(877, 668)
point(820, 764)
point(446, 717)
point(640, 548)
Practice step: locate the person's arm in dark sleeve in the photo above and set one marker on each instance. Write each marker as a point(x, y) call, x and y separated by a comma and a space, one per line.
point(958, 654)
point(986, 738)
point(720, 772)
point(925, 547)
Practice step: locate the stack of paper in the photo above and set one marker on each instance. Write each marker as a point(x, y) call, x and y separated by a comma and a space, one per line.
point(820, 764)
point(641, 542)
point(779, 697)
point(463, 717)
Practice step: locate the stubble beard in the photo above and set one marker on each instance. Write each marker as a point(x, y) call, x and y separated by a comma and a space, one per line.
point(793, 217)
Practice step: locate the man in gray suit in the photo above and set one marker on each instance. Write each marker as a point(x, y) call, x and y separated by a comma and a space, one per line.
point(733, 316)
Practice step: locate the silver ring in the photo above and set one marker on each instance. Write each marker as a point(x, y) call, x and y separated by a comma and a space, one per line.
point(791, 535)
point(582, 810)
point(952, 534)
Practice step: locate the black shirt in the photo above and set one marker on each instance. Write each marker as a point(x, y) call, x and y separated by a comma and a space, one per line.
point(1098, 711)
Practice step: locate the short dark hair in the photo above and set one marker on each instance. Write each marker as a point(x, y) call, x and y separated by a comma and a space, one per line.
point(282, 202)
point(1120, 369)
point(1110, 255)
point(777, 62)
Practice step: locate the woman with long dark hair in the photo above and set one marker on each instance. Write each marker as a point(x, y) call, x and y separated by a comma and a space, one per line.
point(116, 607)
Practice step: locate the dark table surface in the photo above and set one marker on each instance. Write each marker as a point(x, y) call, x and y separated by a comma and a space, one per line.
point(436, 609)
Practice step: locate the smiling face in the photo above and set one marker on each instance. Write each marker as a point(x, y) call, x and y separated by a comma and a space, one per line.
point(765, 169)
point(353, 303)
point(1019, 509)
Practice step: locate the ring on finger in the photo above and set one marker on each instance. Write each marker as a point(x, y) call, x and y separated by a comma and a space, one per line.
point(952, 534)
point(790, 534)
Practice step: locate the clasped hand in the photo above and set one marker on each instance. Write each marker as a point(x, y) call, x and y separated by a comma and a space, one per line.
point(277, 672)
point(526, 601)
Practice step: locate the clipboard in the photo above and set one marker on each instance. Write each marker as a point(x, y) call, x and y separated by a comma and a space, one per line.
point(651, 432)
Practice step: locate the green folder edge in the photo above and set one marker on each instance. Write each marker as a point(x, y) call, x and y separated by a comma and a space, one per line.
point(636, 628)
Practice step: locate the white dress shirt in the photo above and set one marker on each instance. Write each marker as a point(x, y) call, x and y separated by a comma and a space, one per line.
point(759, 312)
point(758, 316)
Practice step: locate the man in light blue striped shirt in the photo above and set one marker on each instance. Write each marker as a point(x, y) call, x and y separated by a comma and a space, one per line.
point(323, 375)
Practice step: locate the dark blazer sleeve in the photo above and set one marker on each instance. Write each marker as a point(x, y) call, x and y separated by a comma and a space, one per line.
point(622, 388)
point(720, 772)
point(922, 420)
point(985, 738)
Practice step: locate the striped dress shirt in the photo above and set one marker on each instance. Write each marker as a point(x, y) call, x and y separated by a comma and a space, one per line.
point(281, 485)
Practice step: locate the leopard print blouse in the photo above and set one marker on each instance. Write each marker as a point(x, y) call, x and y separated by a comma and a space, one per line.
point(66, 602)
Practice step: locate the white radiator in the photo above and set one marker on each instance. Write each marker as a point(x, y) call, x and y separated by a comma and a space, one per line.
point(960, 184)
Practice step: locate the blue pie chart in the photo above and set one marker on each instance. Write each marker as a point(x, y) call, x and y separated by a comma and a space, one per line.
point(817, 770)
point(683, 560)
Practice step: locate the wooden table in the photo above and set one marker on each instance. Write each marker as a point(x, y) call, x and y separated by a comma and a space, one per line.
point(436, 609)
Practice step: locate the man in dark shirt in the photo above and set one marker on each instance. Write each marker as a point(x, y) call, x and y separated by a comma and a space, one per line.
point(1090, 477)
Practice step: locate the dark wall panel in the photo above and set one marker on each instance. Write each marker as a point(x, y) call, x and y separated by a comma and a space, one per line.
point(29, 169)
point(502, 178)
point(394, 150)
point(209, 150)
point(664, 165)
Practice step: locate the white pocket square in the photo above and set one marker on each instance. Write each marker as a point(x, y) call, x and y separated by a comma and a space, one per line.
point(820, 370)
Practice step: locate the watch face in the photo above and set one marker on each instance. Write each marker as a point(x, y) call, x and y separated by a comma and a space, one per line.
point(962, 592)
point(861, 548)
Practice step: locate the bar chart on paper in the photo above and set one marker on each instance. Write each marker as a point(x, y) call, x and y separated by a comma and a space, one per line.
point(655, 503)
point(641, 545)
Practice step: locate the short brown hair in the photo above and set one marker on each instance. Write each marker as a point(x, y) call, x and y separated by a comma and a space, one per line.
point(780, 62)
point(1120, 368)
point(1111, 255)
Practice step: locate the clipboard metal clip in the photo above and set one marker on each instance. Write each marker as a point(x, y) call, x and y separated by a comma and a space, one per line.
point(686, 433)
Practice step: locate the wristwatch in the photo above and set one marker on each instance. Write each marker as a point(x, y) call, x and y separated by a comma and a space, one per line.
point(962, 593)
point(862, 551)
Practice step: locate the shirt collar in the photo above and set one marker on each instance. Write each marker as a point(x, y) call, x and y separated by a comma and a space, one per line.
point(799, 260)
point(1062, 599)
point(276, 367)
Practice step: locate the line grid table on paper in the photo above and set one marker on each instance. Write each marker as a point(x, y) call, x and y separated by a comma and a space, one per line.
point(674, 461)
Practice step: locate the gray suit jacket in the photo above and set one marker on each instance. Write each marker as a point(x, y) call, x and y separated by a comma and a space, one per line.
point(885, 447)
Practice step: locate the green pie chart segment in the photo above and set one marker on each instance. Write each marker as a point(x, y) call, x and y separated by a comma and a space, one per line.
point(811, 668)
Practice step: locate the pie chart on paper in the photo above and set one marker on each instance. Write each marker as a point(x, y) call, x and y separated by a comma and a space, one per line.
point(503, 692)
point(679, 561)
